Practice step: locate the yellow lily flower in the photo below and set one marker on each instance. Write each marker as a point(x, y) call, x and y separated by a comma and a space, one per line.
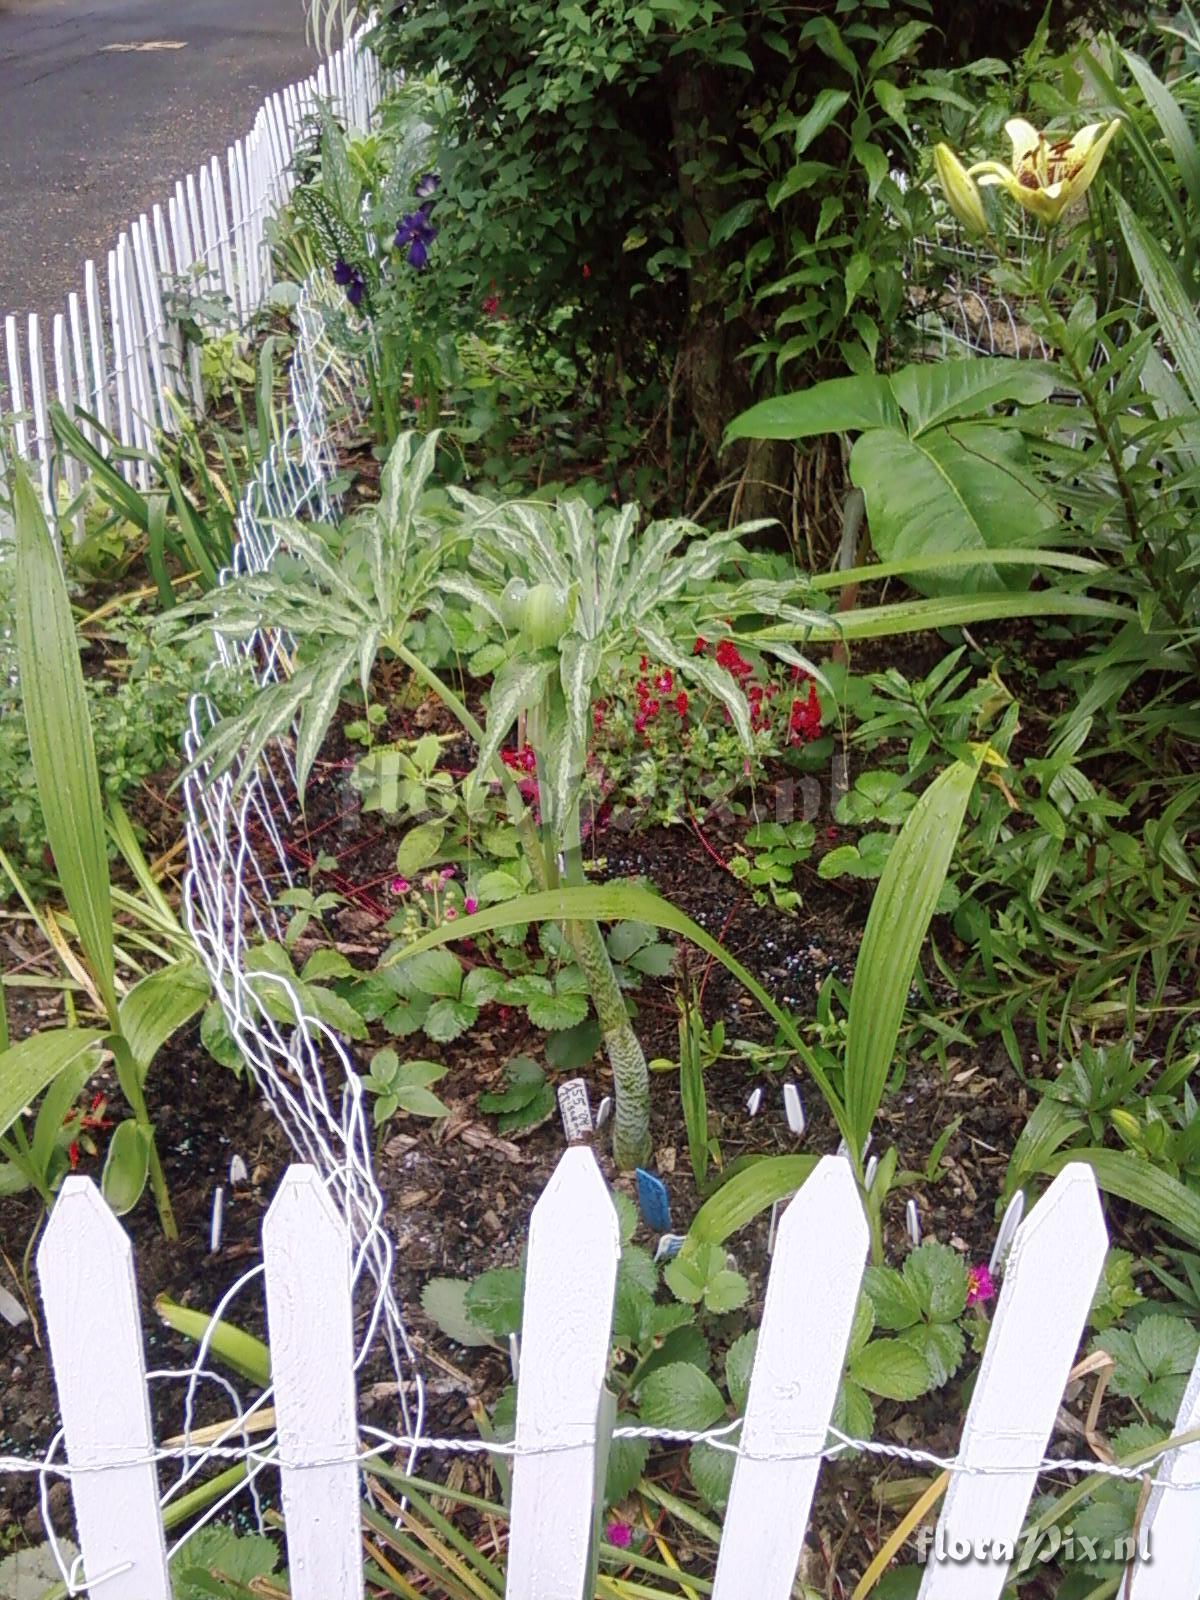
point(1046, 176)
point(959, 188)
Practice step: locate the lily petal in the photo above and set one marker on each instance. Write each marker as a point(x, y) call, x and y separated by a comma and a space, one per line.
point(1025, 139)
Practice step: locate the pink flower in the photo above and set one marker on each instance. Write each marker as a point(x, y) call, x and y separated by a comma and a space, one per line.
point(450, 913)
point(490, 305)
point(399, 886)
point(447, 874)
point(664, 683)
point(619, 1534)
point(980, 1287)
point(470, 905)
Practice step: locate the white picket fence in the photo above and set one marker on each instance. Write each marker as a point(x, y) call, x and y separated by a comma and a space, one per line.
point(116, 351)
point(563, 1422)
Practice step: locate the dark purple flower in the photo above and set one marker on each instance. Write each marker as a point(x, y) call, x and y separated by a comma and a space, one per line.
point(428, 186)
point(418, 254)
point(356, 291)
point(343, 272)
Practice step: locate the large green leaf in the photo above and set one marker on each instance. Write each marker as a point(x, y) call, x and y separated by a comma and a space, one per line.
point(60, 735)
point(840, 405)
point(896, 927)
point(963, 487)
point(933, 393)
point(158, 1005)
point(27, 1068)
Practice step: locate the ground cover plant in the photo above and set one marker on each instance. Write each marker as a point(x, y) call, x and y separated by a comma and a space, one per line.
point(891, 800)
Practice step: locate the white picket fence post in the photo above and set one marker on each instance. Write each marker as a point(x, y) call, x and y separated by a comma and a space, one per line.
point(1170, 1530)
point(85, 1267)
point(310, 1319)
point(131, 356)
point(816, 1271)
point(570, 1282)
point(1049, 1283)
point(86, 1271)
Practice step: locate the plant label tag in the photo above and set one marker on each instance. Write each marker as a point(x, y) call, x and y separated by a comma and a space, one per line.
point(754, 1102)
point(912, 1218)
point(669, 1245)
point(793, 1110)
point(603, 1112)
point(653, 1202)
point(575, 1111)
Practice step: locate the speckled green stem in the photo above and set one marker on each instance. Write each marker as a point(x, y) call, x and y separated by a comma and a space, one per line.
point(631, 1076)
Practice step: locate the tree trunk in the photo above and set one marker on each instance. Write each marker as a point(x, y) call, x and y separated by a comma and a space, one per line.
point(715, 381)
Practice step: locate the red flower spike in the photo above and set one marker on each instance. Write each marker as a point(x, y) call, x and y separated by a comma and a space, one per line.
point(699, 647)
point(681, 703)
point(665, 682)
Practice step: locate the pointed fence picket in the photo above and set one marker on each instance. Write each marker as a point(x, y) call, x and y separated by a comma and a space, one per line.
point(125, 352)
point(564, 1413)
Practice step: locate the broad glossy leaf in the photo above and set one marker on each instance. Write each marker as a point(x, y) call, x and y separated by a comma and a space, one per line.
point(932, 393)
point(965, 487)
point(840, 405)
point(126, 1167)
point(1121, 1173)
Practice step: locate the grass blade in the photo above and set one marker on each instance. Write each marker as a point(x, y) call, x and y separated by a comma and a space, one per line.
point(60, 736)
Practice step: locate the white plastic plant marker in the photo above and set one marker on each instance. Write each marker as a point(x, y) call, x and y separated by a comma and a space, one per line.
point(912, 1221)
point(238, 1173)
point(1007, 1232)
point(869, 1174)
point(570, 1280)
point(1019, 1388)
point(85, 1267)
point(310, 1321)
point(754, 1102)
point(603, 1111)
point(669, 1246)
point(575, 1110)
point(798, 1365)
point(218, 1220)
point(793, 1110)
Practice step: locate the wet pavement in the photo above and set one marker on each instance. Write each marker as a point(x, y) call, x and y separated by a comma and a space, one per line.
point(105, 103)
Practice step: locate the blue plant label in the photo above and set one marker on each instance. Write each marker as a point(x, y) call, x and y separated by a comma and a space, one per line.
point(668, 1246)
point(653, 1202)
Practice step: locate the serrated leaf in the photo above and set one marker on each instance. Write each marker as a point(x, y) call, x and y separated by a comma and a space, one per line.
point(892, 1369)
point(937, 1276)
point(739, 1364)
point(572, 1048)
point(941, 1346)
point(893, 1298)
point(711, 1472)
point(494, 1300)
point(680, 1396)
point(726, 1291)
point(626, 1462)
point(447, 1019)
point(557, 1011)
point(444, 1301)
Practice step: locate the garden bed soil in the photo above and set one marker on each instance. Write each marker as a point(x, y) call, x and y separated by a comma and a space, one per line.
point(459, 1195)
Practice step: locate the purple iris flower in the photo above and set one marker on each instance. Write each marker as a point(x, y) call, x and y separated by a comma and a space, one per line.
point(355, 292)
point(415, 234)
point(343, 272)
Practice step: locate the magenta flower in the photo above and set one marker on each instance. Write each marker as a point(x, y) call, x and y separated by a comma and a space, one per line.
point(470, 905)
point(980, 1286)
point(619, 1534)
point(399, 886)
point(447, 874)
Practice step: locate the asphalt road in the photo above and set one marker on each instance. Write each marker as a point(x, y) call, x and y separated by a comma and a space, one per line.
point(91, 135)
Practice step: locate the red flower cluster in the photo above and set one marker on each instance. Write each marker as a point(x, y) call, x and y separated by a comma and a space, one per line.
point(731, 658)
point(490, 304)
point(649, 704)
point(760, 705)
point(804, 722)
point(523, 760)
